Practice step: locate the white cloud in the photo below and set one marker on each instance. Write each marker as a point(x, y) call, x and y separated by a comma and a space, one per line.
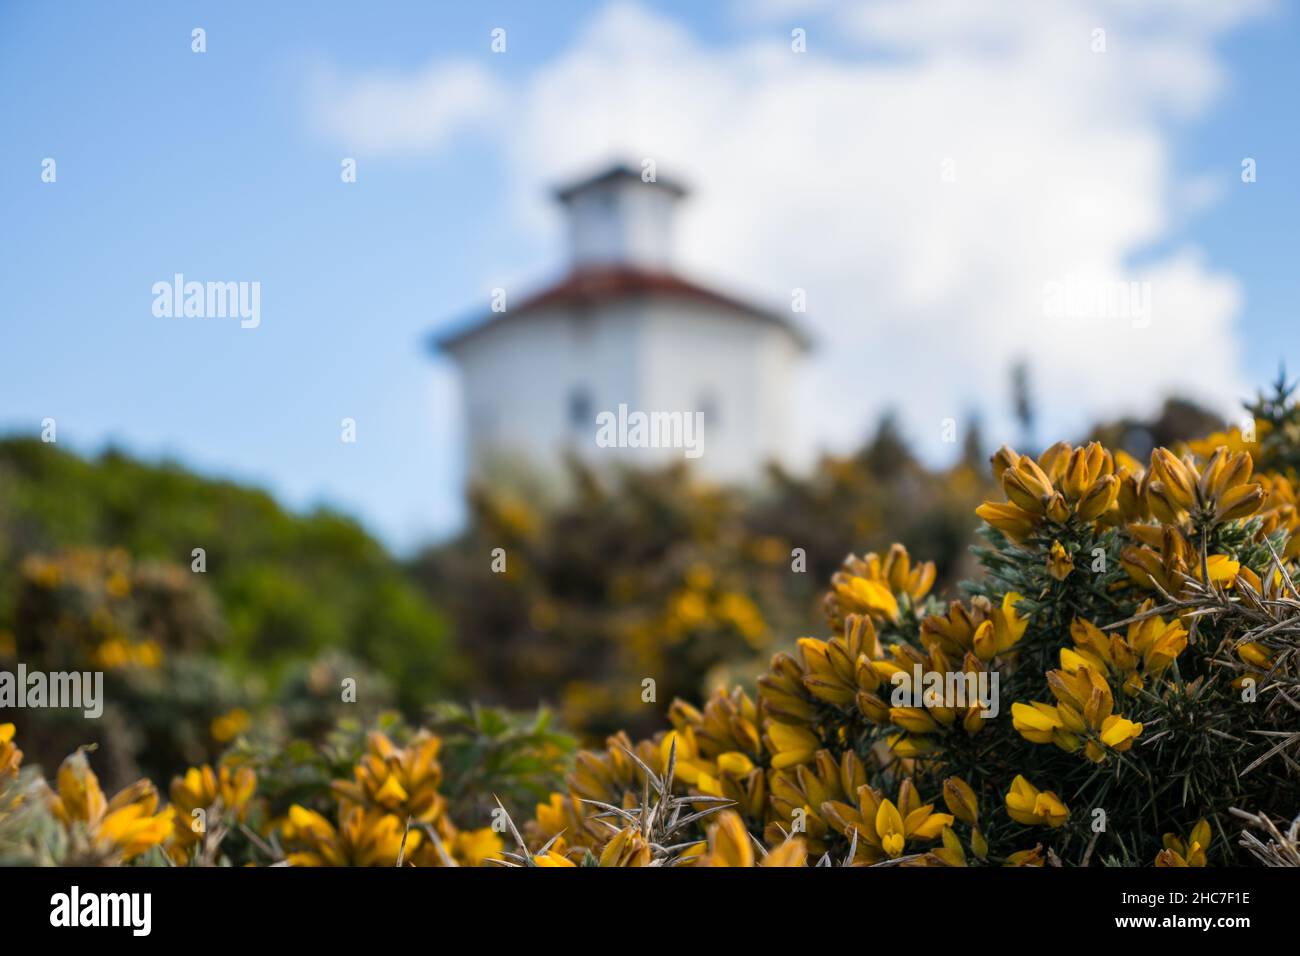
point(392, 113)
point(825, 171)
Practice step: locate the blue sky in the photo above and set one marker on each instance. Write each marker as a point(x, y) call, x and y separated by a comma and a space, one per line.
point(225, 166)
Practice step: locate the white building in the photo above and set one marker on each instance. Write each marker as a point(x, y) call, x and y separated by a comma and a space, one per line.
point(623, 329)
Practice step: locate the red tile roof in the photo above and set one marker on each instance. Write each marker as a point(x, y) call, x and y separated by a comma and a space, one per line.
point(593, 285)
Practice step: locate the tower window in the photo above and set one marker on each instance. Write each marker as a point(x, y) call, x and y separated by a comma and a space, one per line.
point(580, 408)
point(708, 404)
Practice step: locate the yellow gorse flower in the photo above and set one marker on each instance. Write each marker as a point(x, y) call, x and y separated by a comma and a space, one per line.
point(403, 781)
point(1144, 652)
point(1191, 852)
point(393, 796)
point(106, 831)
point(10, 756)
point(948, 691)
point(719, 749)
point(731, 845)
point(552, 858)
point(1065, 483)
point(873, 585)
point(476, 847)
point(884, 828)
point(961, 799)
point(564, 819)
point(791, 745)
point(362, 838)
point(226, 727)
point(1220, 491)
point(1256, 655)
point(1280, 511)
point(983, 629)
point(732, 774)
point(1083, 716)
point(609, 776)
point(1233, 439)
point(1033, 857)
point(838, 672)
point(1059, 562)
point(221, 794)
point(1033, 807)
point(799, 793)
point(1166, 559)
point(627, 848)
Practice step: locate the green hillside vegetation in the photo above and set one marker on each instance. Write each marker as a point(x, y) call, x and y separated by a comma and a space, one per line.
point(289, 603)
point(291, 585)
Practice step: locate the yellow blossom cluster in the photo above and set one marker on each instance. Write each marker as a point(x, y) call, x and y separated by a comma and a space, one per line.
point(391, 812)
point(828, 761)
point(103, 831)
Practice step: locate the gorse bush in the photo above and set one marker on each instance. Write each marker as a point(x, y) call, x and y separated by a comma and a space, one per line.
point(1117, 686)
point(1143, 625)
point(643, 573)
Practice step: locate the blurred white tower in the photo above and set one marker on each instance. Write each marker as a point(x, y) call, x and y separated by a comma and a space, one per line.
point(621, 328)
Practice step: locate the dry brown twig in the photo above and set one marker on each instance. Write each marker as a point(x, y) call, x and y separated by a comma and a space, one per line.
point(1282, 849)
